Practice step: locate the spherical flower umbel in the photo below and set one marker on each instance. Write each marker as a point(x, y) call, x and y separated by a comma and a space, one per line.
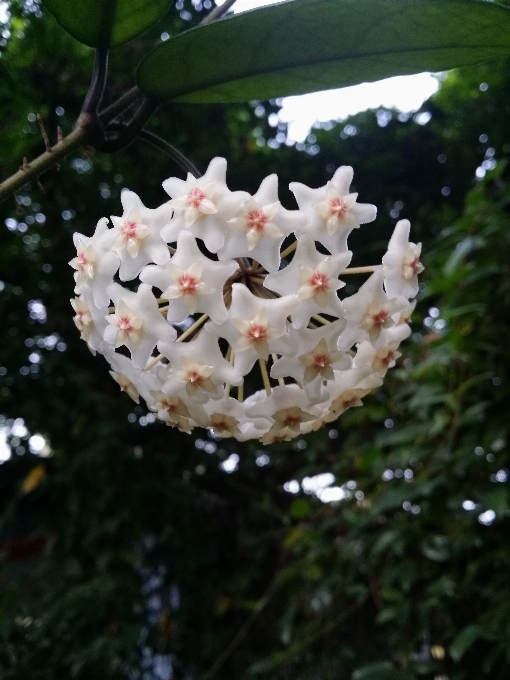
point(233, 316)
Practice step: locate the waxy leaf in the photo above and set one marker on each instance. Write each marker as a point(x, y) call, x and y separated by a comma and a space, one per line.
point(307, 45)
point(83, 19)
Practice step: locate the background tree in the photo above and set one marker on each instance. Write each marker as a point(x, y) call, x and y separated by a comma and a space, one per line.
point(133, 551)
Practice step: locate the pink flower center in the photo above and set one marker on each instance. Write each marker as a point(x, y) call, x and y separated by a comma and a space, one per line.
point(291, 420)
point(390, 356)
point(320, 361)
point(257, 333)
point(195, 197)
point(379, 319)
point(195, 378)
point(187, 284)
point(319, 282)
point(82, 261)
point(128, 230)
point(337, 207)
point(257, 220)
point(171, 408)
point(124, 324)
point(415, 265)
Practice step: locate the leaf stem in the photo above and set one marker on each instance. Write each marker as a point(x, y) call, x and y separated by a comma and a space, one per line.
point(265, 376)
point(229, 356)
point(177, 156)
point(120, 105)
point(193, 328)
point(218, 12)
point(361, 270)
point(126, 133)
point(281, 381)
point(288, 250)
point(320, 319)
point(96, 90)
point(244, 629)
point(155, 361)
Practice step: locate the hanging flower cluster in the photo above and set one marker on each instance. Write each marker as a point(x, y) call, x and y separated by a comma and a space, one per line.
point(228, 331)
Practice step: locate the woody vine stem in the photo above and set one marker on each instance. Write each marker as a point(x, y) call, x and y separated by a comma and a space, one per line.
point(106, 130)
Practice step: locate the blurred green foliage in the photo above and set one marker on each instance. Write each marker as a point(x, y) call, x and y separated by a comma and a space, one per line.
point(136, 555)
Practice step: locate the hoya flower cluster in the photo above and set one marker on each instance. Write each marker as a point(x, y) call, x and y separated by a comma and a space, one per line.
point(221, 326)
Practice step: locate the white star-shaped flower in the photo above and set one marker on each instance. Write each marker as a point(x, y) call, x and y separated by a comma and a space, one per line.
point(369, 312)
point(137, 323)
point(198, 366)
point(133, 381)
point(226, 417)
point(287, 408)
point(253, 324)
point(90, 321)
point(348, 389)
point(406, 314)
point(138, 239)
point(310, 356)
point(382, 358)
point(95, 265)
point(332, 211)
point(191, 282)
point(260, 226)
point(314, 277)
point(203, 205)
point(401, 263)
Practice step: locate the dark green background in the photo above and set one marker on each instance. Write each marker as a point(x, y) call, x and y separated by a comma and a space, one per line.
point(137, 552)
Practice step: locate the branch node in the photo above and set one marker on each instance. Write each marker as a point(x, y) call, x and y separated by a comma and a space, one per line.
point(43, 133)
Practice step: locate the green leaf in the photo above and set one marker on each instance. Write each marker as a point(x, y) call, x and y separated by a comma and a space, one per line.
point(463, 641)
point(83, 19)
point(380, 671)
point(300, 508)
point(393, 498)
point(302, 46)
point(495, 499)
point(436, 548)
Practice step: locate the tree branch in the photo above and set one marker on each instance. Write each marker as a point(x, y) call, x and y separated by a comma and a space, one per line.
point(78, 137)
point(179, 158)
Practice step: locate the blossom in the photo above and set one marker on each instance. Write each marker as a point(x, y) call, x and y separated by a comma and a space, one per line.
point(136, 323)
point(310, 357)
point(90, 320)
point(332, 211)
point(198, 367)
point(191, 282)
point(224, 327)
point(288, 409)
point(253, 324)
point(260, 226)
point(203, 205)
point(94, 263)
point(314, 278)
point(401, 264)
point(370, 312)
point(137, 235)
